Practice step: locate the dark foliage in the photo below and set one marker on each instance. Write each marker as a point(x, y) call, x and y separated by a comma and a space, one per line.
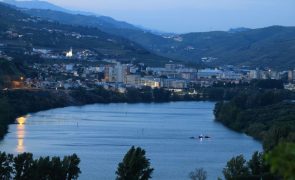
point(282, 160)
point(256, 168)
point(25, 167)
point(264, 114)
point(135, 166)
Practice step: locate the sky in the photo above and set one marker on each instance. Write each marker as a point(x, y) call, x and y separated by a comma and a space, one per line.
point(182, 16)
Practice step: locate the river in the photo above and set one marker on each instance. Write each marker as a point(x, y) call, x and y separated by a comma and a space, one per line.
point(102, 133)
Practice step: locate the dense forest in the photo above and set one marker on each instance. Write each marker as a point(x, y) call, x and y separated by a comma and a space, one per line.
point(268, 115)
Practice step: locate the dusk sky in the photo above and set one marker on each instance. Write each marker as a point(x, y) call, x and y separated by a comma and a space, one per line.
point(191, 15)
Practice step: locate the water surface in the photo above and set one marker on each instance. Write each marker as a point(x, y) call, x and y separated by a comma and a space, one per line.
point(102, 134)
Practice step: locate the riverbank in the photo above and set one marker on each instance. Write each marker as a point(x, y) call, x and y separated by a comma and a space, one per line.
point(265, 115)
point(101, 134)
point(15, 103)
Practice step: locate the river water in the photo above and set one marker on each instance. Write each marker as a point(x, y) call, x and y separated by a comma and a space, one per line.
point(102, 133)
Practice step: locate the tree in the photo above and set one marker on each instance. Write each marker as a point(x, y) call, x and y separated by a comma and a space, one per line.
point(282, 160)
point(42, 168)
point(135, 166)
point(236, 168)
point(71, 163)
point(256, 164)
point(5, 166)
point(58, 171)
point(161, 95)
point(275, 135)
point(23, 164)
point(198, 174)
point(24, 167)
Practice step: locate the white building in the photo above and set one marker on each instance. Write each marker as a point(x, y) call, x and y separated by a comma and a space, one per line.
point(209, 73)
point(69, 54)
point(133, 79)
point(174, 84)
point(291, 75)
point(231, 75)
point(120, 72)
point(254, 74)
point(151, 82)
point(109, 74)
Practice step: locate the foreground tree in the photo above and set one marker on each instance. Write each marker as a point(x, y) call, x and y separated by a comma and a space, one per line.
point(282, 160)
point(236, 168)
point(71, 165)
point(24, 167)
point(5, 166)
point(198, 174)
point(135, 166)
point(256, 164)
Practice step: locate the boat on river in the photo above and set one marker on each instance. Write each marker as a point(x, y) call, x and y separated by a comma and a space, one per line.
point(201, 137)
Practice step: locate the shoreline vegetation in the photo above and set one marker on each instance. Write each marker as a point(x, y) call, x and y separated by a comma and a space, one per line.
point(264, 112)
point(16, 103)
point(268, 116)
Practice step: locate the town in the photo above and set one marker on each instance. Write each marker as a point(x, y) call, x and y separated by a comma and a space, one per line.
point(118, 76)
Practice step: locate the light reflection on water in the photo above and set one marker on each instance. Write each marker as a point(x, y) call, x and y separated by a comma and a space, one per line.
point(20, 134)
point(101, 134)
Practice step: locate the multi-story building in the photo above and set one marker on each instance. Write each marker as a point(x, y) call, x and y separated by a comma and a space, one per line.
point(133, 79)
point(209, 73)
point(151, 82)
point(120, 72)
point(254, 74)
point(174, 84)
point(109, 74)
point(291, 75)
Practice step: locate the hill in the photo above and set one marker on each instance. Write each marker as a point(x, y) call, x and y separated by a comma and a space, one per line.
point(39, 4)
point(269, 47)
point(272, 47)
point(20, 33)
point(43, 5)
point(35, 4)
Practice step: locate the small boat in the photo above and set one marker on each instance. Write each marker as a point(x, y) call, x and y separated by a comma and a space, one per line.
point(204, 137)
point(201, 137)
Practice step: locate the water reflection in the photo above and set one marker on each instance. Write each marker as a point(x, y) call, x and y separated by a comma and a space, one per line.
point(21, 132)
point(105, 134)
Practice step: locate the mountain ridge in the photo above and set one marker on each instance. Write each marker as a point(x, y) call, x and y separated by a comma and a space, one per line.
point(20, 32)
point(271, 47)
point(37, 4)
